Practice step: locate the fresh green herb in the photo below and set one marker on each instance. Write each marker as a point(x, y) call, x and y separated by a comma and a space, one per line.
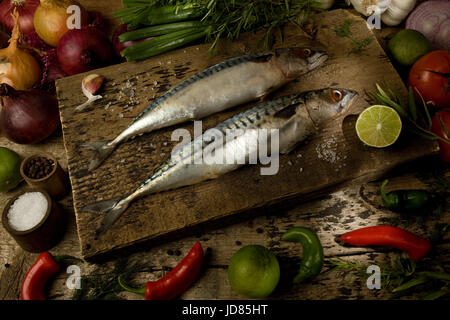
point(345, 32)
point(410, 113)
point(215, 19)
point(103, 285)
point(403, 278)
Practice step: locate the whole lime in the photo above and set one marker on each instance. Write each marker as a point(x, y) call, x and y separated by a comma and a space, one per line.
point(253, 272)
point(407, 46)
point(9, 169)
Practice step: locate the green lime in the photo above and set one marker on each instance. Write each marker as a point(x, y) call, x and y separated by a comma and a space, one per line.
point(407, 46)
point(9, 169)
point(378, 126)
point(253, 272)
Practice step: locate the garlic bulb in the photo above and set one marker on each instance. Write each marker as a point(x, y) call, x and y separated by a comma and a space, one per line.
point(392, 12)
point(398, 10)
point(370, 7)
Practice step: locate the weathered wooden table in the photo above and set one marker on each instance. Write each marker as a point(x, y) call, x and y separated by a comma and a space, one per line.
point(345, 208)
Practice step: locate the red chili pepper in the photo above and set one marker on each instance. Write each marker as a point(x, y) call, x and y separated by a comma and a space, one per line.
point(177, 281)
point(415, 246)
point(43, 268)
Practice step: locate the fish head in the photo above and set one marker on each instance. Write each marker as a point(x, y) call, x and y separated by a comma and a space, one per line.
point(326, 104)
point(294, 62)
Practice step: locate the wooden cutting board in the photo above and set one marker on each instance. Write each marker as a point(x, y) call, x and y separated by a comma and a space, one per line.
point(332, 157)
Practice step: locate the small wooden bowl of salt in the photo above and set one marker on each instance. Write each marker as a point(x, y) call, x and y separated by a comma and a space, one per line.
point(34, 220)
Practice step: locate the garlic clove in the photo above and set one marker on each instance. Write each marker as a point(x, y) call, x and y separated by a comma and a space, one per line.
point(91, 84)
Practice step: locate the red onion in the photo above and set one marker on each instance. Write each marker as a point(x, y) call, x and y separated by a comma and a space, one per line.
point(81, 50)
point(26, 9)
point(3, 39)
point(119, 46)
point(51, 71)
point(27, 116)
point(432, 18)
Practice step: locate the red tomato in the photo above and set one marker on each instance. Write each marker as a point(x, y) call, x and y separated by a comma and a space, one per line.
point(430, 76)
point(441, 127)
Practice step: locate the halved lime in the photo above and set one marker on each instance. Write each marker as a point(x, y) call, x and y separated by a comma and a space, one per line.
point(378, 126)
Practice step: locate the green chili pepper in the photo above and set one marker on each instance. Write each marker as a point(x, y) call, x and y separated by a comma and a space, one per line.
point(312, 261)
point(407, 200)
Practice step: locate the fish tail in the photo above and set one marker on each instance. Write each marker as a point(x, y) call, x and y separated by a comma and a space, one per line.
point(102, 151)
point(112, 209)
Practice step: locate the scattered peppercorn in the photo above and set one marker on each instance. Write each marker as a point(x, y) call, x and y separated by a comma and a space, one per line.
point(39, 167)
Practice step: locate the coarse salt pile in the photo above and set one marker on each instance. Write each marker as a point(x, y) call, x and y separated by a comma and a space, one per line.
point(27, 211)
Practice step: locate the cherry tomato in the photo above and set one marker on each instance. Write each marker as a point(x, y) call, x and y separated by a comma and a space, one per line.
point(441, 127)
point(430, 75)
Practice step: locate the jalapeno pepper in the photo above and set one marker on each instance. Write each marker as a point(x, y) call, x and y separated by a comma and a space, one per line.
point(177, 281)
point(37, 276)
point(408, 242)
point(406, 200)
point(312, 261)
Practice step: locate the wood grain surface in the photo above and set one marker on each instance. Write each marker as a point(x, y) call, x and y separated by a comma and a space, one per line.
point(332, 157)
point(352, 206)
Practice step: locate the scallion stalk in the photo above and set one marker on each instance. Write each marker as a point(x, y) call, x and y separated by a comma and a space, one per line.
point(158, 30)
point(156, 46)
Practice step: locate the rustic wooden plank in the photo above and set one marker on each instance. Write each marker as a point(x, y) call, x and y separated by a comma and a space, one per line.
point(328, 159)
point(355, 206)
point(332, 215)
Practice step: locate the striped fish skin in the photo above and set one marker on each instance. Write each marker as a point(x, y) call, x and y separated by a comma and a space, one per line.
point(296, 117)
point(220, 87)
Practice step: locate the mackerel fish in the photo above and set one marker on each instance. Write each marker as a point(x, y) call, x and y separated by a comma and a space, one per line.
point(220, 87)
point(295, 117)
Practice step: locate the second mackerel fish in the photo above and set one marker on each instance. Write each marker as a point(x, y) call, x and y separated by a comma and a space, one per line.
point(220, 87)
point(294, 117)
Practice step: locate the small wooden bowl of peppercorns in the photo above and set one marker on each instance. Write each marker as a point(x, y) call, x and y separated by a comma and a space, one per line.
point(43, 171)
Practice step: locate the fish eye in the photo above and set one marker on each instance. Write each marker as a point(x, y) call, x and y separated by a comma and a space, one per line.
point(307, 52)
point(337, 95)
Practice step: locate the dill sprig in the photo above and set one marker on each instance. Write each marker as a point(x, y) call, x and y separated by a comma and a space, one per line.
point(345, 32)
point(101, 285)
point(230, 18)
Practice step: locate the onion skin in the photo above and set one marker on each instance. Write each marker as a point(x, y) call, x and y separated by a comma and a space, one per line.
point(424, 19)
point(3, 39)
point(18, 68)
point(28, 116)
point(50, 19)
point(26, 13)
point(83, 50)
point(119, 46)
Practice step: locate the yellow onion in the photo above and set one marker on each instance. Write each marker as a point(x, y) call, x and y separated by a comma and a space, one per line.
point(18, 68)
point(50, 19)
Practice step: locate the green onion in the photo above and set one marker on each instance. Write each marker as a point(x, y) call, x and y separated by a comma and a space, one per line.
point(159, 15)
point(436, 295)
point(164, 43)
point(159, 30)
point(412, 104)
point(410, 284)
